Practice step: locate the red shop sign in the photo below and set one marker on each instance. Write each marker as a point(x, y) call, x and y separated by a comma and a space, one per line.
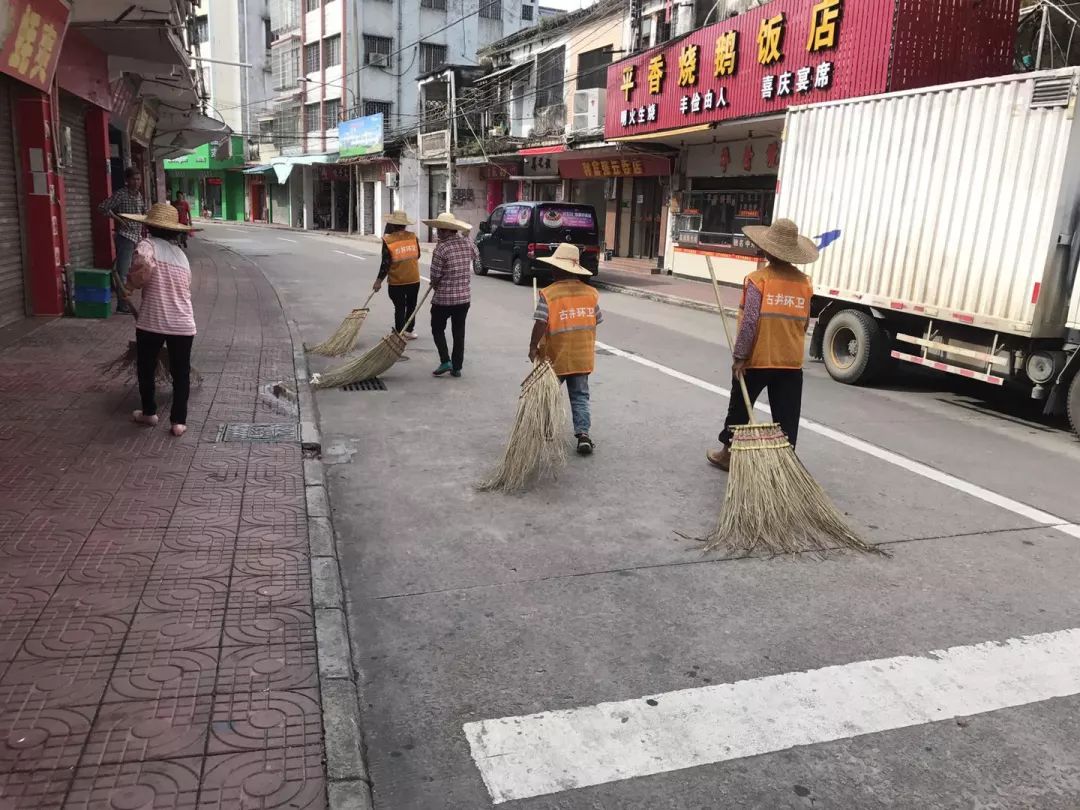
point(628, 166)
point(805, 51)
point(31, 33)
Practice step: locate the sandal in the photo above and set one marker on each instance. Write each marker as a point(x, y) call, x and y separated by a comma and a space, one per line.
point(143, 419)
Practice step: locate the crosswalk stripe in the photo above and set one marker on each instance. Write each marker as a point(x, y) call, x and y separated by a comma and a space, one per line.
point(550, 752)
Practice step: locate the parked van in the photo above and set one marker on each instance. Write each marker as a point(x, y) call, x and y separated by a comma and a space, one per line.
point(518, 233)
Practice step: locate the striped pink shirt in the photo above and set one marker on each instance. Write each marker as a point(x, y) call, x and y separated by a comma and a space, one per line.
point(161, 269)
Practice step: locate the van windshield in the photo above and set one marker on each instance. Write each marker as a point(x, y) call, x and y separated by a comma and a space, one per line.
point(567, 216)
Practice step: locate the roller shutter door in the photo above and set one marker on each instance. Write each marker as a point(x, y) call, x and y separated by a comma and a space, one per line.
point(12, 285)
point(77, 213)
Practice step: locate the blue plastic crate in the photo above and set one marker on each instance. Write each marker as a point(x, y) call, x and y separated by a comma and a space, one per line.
point(92, 295)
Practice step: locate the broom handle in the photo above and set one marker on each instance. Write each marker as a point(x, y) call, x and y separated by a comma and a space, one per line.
point(727, 334)
point(368, 301)
point(412, 317)
point(535, 293)
point(120, 290)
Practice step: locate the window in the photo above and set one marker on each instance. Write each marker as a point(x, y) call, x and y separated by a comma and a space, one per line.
point(331, 113)
point(438, 5)
point(331, 51)
point(311, 117)
point(311, 5)
point(268, 33)
point(377, 49)
point(375, 107)
point(526, 12)
point(592, 69)
point(549, 78)
point(285, 61)
point(311, 58)
point(202, 28)
point(491, 9)
point(432, 57)
point(266, 130)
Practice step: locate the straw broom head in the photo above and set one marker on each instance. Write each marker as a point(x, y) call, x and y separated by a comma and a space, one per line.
point(375, 361)
point(344, 338)
point(126, 365)
point(534, 449)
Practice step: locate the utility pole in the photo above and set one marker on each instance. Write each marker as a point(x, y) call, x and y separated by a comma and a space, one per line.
point(451, 137)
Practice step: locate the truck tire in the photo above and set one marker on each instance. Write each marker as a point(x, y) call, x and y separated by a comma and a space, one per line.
point(855, 347)
point(518, 273)
point(1073, 403)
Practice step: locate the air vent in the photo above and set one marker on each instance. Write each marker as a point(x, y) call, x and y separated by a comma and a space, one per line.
point(1051, 92)
point(374, 384)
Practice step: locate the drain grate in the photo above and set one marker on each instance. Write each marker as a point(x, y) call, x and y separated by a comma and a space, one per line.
point(255, 432)
point(374, 384)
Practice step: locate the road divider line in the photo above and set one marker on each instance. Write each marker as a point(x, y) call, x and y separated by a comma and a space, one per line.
point(540, 754)
point(888, 456)
point(283, 239)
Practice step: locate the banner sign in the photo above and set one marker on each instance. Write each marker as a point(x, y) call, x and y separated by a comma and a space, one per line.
point(629, 166)
point(31, 34)
point(361, 136)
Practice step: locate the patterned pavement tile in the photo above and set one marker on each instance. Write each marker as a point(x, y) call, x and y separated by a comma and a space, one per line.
point(250, 625)
point(261, 473)
point(145, 540)
point(210, 507)
point(55, 681)
point(149, 729)
point(273, 666)
point(290, 778)
point(13, 633)
point(31, 572)
point(13, 514)
point(177, 596)
point(112, 598)
point(257, 537)
point(91, 569)
point(23, 604)
point(273, 507)
point(41, 737)
point(152, 476)
point(154, 785)
point(283, 453)
point(161, 675)
point(75, 636)
point(282, 564)
point(136, 510)
point(42, 539)
point(189, 629)
point(262, 720)
point(213, 563)
point(205, 539)
point(34, 790)
point(268, 592)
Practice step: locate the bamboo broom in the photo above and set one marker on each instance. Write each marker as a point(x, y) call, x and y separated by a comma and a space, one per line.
point(372, 363)
point(772, 503)
point(343, 340)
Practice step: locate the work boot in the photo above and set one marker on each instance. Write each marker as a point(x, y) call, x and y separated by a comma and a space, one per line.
point(720, 458)
point(444, 368)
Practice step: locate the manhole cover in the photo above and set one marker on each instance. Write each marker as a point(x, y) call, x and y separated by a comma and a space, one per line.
point(374, 384)
point(271, 432)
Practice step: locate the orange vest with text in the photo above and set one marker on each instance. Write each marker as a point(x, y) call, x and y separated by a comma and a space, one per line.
point(404, 250)
point(785, 312)
point(570, 344)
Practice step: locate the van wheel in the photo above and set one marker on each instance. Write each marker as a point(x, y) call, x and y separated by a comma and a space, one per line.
point(479, 268)
point(518, 273)
point(855, 348)
point(1073, 403)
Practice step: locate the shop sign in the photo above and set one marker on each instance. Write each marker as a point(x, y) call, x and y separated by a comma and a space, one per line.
point(541, 166)
point(124, 92)
point(142, 125)
point(630, 166)
point(31, 34)
point(734, 158)
point(786, 52)
point(361, 136)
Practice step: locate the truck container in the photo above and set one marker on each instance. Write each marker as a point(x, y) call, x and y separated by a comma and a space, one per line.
point(949, 225)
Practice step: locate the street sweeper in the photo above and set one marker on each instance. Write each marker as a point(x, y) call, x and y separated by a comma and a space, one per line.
point(400, 267)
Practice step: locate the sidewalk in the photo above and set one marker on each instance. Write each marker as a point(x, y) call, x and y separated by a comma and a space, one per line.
point(157, 646)
point(668, 289)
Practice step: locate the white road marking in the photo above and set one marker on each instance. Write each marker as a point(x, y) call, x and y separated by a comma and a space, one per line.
point(283, 239)
point(540, 754)
point(918, 468)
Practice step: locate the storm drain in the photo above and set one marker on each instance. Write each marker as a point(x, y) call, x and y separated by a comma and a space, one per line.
point(255, 432)
point(374, 384)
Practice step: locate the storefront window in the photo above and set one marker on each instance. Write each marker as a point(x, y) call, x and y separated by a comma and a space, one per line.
point(718, 217)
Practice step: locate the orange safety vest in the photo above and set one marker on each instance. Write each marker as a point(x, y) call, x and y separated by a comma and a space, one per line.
point(571, 338)
point(404, 250)
point(785, 311)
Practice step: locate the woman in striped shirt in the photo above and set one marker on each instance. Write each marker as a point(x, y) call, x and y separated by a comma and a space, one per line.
point(166, 318)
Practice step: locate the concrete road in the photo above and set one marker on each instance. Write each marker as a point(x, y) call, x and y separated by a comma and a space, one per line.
point(569, 648)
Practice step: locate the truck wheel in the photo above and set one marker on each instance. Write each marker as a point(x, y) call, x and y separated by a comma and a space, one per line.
point(855, 348)
point(518, 273)
point(1073, 403)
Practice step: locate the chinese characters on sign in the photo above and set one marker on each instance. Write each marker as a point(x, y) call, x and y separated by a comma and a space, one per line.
point(645, 114)
point(612, 168)
point(32, 37)
point(801, 81)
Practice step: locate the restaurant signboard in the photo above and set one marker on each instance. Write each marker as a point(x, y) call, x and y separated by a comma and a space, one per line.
point(31, 35)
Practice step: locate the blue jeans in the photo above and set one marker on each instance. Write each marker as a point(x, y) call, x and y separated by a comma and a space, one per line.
point(577, 386)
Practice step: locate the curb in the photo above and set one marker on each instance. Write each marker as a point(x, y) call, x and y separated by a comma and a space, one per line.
point(347, 780)
point(663, 298)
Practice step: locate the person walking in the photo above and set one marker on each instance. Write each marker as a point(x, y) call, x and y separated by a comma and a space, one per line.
point(126, 200)
point(565, 319)
point(401, 267)
point(183, 210)
point(166, 318)
point(773, 318)
point(451, 273)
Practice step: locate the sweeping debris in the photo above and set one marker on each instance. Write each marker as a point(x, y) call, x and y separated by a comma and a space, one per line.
point(372, 363)
point(534, 448)
point(344, 339)
point(772, 503)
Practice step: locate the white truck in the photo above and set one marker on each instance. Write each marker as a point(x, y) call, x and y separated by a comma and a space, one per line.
point(949, 222)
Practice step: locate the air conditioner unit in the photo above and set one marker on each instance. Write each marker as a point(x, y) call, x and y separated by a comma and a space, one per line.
point(391, 179)
point(379, 60)
point(589, 108)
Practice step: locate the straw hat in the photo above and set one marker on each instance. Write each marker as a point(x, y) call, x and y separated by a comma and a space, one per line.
point(447, 222)
point(162, 215)
point(399, 218)
point(782, 240)
point(566, 257)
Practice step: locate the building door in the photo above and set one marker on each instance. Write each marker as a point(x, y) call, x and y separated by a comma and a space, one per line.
point(369, 207)
point(12, 283)
point(76, 173)
point(212, 198)
point(645, 217)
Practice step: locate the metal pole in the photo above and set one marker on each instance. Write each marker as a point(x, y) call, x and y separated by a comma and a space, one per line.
point(352, 196)
point(451, 136)
point(1042, 35)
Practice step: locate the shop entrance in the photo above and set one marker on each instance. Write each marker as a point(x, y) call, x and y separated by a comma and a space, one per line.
point(212, 198)
point(258, 197)
point(645, 217)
